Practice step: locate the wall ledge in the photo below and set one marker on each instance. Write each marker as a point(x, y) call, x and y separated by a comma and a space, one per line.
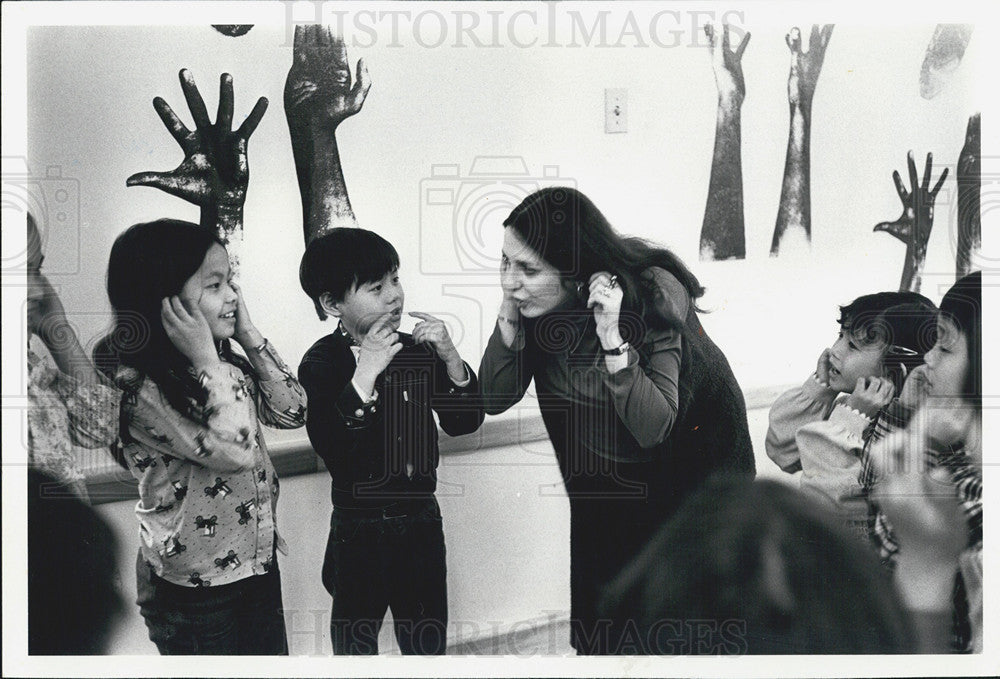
point(292, 455)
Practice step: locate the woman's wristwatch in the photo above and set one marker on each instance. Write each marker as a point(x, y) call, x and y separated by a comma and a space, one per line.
point(617, 351)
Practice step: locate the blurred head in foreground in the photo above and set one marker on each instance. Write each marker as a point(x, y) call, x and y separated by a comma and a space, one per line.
point(756, 567)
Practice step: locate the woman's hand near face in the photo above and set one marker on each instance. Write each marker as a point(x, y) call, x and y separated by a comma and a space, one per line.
point(188, 329)
point(606, 300)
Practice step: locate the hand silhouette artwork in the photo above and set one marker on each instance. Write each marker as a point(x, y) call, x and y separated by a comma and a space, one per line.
point(804, 72)
point(215, 170)
point(318, 90)
point(913, 227)
point(727, 63)
point(318, 97)
point(722, 229)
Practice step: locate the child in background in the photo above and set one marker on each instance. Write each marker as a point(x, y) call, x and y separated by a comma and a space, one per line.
point(207, 573)
point(926, 469)
point(819, 428)
point(372, 392)
point(69, 403)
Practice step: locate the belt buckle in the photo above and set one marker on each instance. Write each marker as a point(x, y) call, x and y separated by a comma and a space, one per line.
point(397, 510)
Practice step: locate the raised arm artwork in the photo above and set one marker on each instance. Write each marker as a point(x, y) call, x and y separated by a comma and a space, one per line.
point(794, 212)
point(318, 97)
point(722, 232)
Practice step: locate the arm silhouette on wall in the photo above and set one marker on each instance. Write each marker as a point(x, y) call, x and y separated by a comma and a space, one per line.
point(913, 227)
point(318, 97)
point(215, 170)
point(943, 56)
point(793, 208)
point(722, 231)
point(970, 237)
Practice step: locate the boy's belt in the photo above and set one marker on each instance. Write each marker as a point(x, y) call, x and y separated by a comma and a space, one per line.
point(393, 510)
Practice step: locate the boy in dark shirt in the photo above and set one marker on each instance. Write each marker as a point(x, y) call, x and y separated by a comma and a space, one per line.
point(371, 391)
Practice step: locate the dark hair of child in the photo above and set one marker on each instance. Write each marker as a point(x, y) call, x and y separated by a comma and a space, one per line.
point(963, 306)
point(342, 259)
point(148, 262)
point(906, 322)
point(765, 570)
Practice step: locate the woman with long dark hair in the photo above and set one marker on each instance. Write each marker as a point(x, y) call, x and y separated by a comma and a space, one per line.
point(640, 405)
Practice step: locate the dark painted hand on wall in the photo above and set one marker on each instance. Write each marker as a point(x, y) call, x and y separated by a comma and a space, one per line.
point(215, 170)
point(722, 229)
point(727, 63)
point(913, 227)
point(804, 72)
point(318, 89)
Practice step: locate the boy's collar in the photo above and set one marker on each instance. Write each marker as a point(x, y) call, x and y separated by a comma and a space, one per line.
point(348, 336)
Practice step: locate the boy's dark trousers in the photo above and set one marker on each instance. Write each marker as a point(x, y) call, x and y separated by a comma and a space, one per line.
point(389, 557)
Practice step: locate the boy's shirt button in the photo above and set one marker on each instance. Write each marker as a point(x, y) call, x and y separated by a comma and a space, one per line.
point(359, 412)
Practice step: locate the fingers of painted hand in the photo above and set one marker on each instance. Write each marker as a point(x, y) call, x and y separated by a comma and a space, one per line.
point(194, 101)
point(901, 191)
point(794, 41)
point(359, 91)
point(178, 130)
point(743, 44)
point(250, 124)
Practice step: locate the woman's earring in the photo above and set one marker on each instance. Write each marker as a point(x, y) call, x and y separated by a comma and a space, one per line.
point(579, 288)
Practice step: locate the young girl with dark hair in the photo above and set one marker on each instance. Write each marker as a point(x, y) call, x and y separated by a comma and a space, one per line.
point(925, 467)
point(640, 405)
point(207, 571)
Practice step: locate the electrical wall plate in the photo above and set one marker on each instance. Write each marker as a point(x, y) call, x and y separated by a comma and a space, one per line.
point(615, 110)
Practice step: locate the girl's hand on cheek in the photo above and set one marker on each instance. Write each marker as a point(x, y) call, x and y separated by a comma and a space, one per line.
point(871, 395)
point(246, 332)
point(188, 330)
point(914, 389)
point(823, 367)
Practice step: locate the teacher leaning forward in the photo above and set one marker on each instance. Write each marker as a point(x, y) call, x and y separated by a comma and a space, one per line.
point(640, 405)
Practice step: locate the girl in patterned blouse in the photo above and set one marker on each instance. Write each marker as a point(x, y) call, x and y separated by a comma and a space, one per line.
point(207, 571)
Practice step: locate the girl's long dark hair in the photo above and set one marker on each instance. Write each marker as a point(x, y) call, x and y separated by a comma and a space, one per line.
point(963, 306)
point(565, 227)
point(150, 261)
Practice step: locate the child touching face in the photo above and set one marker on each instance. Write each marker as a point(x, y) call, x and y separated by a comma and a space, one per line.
point(820, 426)
point(191, 416)
point(929, 480)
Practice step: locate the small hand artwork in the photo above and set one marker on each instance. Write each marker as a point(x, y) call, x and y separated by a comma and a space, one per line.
point(913, 227)
point(804, 72)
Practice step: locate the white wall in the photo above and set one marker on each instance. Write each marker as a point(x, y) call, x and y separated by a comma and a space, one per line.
point(90, 91)
point(89, 101)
